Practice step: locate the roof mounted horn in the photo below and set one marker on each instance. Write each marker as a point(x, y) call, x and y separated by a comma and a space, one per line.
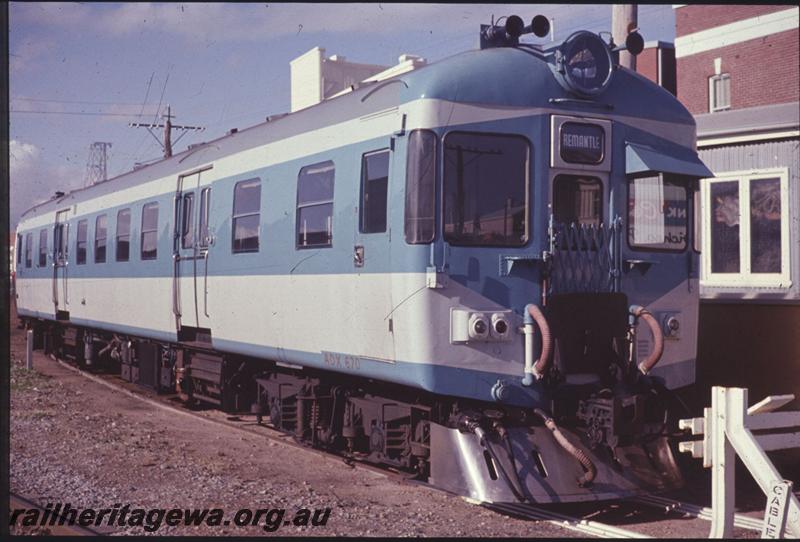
point(507, 35)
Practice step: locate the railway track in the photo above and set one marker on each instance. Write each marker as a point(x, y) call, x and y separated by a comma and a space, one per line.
point(527, 511)
point(20, 503)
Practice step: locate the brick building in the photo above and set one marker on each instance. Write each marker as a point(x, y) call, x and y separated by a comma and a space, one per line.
point(738, 73)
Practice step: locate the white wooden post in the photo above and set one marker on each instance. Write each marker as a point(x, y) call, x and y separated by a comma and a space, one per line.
point(723, 469)
point(29, 352)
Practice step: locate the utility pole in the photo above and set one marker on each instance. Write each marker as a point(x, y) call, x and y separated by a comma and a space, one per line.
point(166, 145)
point(96, 166)
point(624, 19)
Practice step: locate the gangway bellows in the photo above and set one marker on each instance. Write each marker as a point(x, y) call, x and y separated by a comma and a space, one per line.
point(728, 428)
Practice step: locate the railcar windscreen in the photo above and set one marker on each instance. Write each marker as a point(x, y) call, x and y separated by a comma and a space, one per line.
point(420, 212)
point(658, 213)
point(486, 189)
point(577, 200)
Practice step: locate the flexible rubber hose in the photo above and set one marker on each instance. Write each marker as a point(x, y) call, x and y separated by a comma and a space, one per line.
point(547, 339)
point(488, 447)
point(590, 470)
point(658, 349)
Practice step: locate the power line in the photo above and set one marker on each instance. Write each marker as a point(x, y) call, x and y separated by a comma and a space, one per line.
point(24, 99)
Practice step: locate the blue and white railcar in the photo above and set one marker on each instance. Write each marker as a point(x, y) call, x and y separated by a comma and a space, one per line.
point(419, 272)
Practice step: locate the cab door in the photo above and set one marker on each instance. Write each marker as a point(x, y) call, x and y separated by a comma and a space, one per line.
point(372, 251)
point(190, 255)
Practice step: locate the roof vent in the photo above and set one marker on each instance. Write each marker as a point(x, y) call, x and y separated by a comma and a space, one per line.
point(58, 194)
point(232, 131)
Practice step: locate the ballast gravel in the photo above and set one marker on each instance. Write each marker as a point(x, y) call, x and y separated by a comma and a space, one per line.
point(76, 441)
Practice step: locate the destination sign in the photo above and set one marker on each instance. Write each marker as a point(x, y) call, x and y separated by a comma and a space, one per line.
point(582, 143)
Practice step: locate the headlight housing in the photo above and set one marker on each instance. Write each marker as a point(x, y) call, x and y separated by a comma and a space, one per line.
point(584, 61)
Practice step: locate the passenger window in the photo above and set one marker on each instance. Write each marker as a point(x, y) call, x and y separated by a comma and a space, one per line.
point(374, 187)
point(19, 249)
point(315, 206)
point(658, 213)
point(80, 244)
point(420, 212)
point(149, 250)
point(100, 232)
point(246, 215)
point(187, 231)
point(43, 248)
point(486, 189)
point(578, 200)
point(123, 235)
point(205, 203)
point(29, 250)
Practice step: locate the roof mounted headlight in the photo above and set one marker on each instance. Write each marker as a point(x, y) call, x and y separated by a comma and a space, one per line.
point(584, 60)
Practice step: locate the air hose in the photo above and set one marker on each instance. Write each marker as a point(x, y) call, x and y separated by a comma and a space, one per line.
point(658, 349)
point(481, 434)
point(574, 451)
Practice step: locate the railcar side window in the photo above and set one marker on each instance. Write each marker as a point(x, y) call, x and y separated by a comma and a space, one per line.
point(80, 244)
point(486, 189)
point(187, 231)
point(658, 213)
point(29, 250)
point(123, 235)
point(149, 245)
point(315, 206)
point(19, 249)
point(205, 204)
point(374, 187)
point(246, 215)
point(100, 233)
point(577, 200)
point(420, 213)
point(43, 247)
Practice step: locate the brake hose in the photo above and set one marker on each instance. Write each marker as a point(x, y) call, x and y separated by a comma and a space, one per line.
point(574, 451)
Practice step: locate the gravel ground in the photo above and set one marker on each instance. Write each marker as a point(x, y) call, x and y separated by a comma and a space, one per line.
point(76, 441)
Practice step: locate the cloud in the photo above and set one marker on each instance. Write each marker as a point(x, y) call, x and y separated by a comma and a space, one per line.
point(27, 55)
point(33, 181)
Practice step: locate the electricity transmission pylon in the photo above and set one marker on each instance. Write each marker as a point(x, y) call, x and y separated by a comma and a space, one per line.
point(96, 166)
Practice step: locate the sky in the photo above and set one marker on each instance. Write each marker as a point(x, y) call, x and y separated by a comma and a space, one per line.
point(81, 72)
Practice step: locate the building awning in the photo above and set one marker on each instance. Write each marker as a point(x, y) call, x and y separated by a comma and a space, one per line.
point(641, 159)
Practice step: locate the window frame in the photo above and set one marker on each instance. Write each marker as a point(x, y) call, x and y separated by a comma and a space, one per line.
point(528, 235)
point(85, 223)
point(686, 185)
point(104, 238)
point(712, 95)
point(145, 231)
point(362, 202)
point(314, 203)
point(437, 208)
point(204, 209)
point(745, 277)
point(28, 250)
point(117, 236)
point(42, 261)
point(235, 217)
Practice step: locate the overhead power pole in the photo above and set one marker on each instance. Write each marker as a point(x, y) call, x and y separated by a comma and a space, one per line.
point(96, 165)
point(624, 19)
point(166, 145)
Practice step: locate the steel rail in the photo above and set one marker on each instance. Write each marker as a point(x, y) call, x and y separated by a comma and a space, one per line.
point(701, 512)
point(527, 511)
point(600, 530)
